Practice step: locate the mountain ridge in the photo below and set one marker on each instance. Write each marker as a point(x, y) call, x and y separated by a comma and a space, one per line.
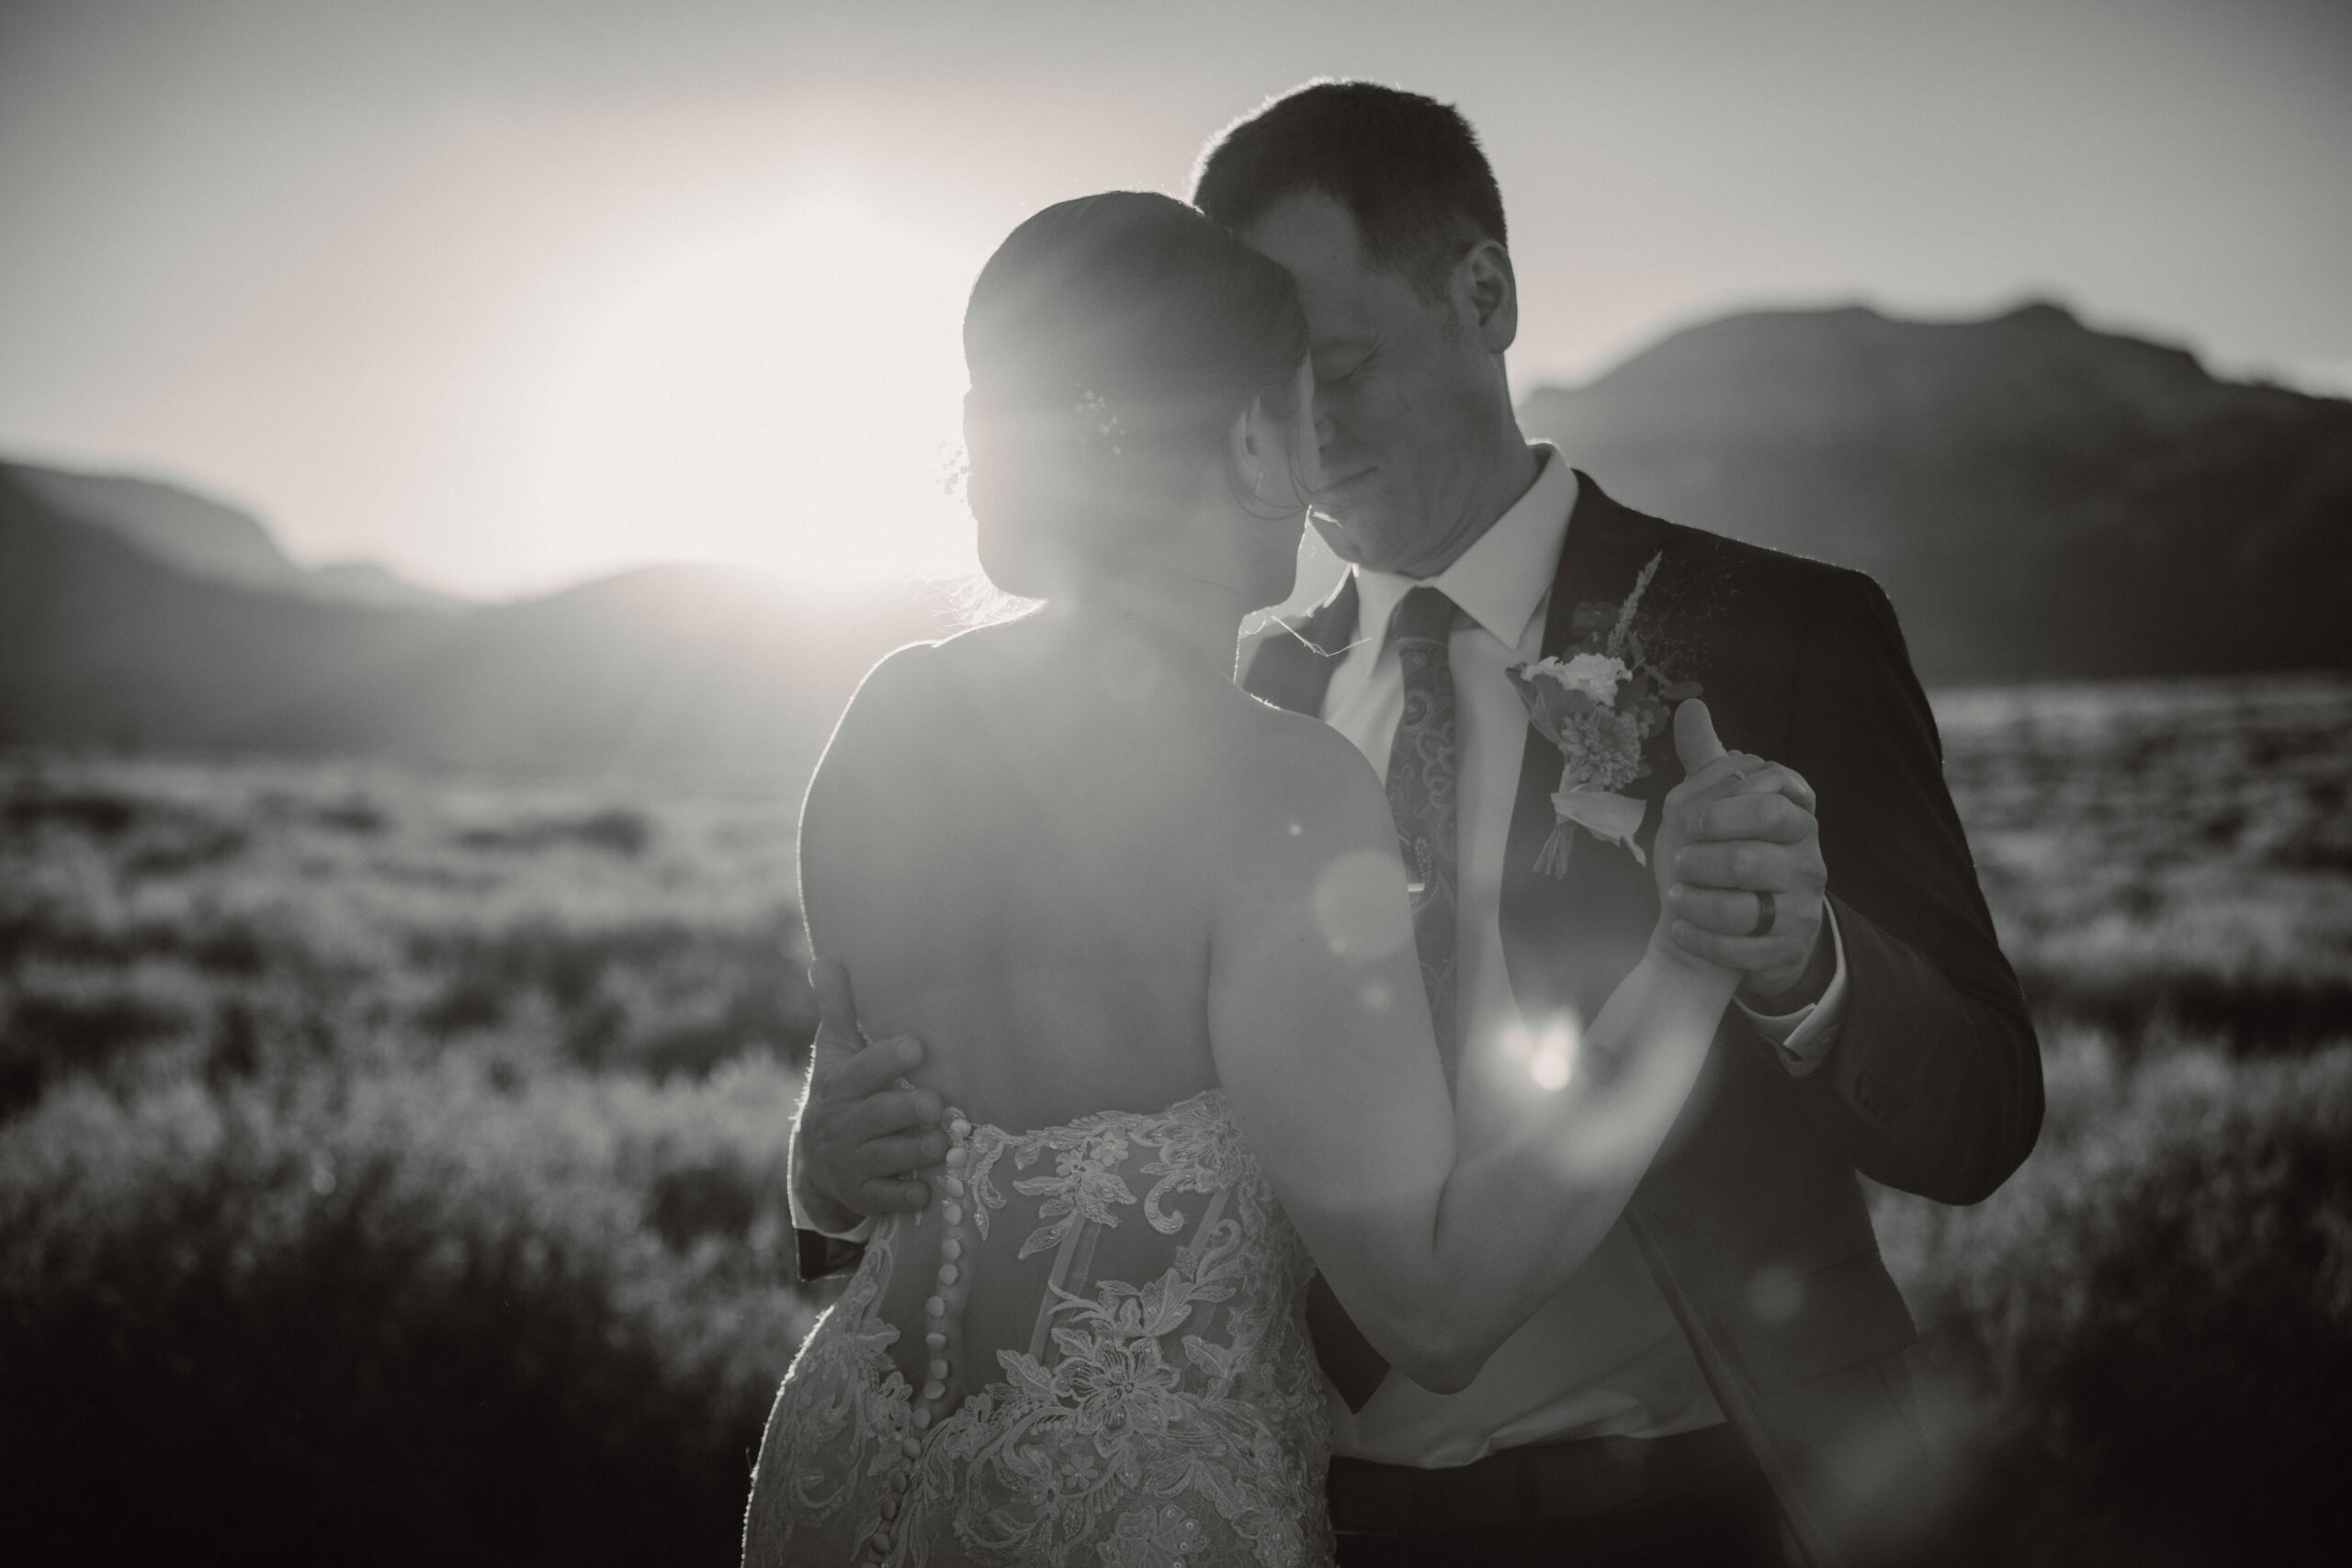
point(694, 672)
point(204, 536)
point(2038, 498)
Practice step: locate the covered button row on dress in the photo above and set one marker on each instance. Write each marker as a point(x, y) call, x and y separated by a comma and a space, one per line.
point(943, 1313)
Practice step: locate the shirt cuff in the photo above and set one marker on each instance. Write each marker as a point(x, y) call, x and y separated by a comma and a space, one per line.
point(1802, 1039)
point(802, 1220)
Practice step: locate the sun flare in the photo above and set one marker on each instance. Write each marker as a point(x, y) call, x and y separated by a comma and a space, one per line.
point(791, 403)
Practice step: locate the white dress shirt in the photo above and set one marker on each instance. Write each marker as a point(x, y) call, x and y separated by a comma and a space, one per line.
point(1603, 1357)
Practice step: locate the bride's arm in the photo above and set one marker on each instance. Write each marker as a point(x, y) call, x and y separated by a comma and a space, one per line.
point(1322, 1039)
point(862, 1134)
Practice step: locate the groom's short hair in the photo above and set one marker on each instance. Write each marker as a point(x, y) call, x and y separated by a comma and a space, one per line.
point(1407, 167)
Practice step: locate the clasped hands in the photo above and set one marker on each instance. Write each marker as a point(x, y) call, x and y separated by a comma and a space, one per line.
point(1737, 843)
point(1740, 868)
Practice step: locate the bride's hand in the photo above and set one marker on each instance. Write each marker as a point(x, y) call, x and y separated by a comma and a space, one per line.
point(1708, 773)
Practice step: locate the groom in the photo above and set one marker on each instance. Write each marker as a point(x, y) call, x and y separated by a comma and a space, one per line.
point(1727, 1379)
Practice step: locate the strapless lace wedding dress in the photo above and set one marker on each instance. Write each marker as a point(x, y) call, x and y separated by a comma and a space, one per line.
point(1113, 1369)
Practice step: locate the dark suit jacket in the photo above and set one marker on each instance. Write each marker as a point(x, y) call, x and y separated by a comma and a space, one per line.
point(1752, 1218)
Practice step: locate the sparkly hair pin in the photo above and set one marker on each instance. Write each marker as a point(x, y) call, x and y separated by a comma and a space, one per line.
point(1100, 421)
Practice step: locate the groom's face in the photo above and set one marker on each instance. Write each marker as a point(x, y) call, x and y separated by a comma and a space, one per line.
point(1398, 383)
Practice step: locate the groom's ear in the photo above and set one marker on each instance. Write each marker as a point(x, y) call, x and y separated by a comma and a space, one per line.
point(1485, 295)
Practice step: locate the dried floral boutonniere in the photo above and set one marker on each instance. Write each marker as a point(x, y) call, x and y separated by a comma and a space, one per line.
point(1600, 706)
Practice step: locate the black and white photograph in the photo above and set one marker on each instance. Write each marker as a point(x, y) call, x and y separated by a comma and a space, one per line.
point(1256, 783)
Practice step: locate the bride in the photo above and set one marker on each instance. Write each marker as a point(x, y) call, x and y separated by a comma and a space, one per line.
point(1158, 936)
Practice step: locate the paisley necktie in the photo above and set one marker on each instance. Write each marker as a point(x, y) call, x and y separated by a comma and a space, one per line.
point(1423, 765)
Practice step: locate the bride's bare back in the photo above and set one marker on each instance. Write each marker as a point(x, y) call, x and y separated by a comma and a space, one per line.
point(1007, 846)
point(1010, 844)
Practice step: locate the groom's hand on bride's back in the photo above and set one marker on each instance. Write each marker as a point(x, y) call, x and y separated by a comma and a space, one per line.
point(862, 1133)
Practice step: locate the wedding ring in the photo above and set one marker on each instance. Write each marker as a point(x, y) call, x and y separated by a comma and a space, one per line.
point(1765, 915)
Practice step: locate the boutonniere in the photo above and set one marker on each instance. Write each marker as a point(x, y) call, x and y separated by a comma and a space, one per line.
point(1600, 706)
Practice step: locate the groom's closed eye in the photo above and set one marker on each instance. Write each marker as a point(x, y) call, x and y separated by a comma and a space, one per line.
point(1339, 368)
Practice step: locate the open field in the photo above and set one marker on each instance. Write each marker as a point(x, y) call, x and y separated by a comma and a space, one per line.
point(390, 1168)
point(2167, 850)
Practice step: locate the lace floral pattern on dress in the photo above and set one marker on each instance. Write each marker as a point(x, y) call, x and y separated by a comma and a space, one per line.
point(1174, 1420)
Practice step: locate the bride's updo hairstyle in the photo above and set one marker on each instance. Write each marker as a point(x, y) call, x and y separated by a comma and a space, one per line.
point(1112, 342)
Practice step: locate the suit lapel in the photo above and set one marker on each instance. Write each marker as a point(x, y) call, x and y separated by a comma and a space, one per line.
point(1567, 942)
point(1291, 664)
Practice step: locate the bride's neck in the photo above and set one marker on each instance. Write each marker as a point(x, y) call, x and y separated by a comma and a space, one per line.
point(1197, 618)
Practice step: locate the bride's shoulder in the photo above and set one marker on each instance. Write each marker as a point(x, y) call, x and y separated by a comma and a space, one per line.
point(928, 695)
point(1294, 783)
point(894, 709)
point(1278, 739)
point(899, 677)
point(967, 661)
point(923, 675)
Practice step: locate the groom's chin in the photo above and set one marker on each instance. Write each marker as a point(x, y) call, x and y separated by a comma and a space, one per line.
point(1355, 538)
point(1337, 536)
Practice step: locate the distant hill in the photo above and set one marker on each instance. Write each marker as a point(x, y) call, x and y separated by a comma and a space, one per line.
point(2039, 498)
point(696, 670)
point(695, 673)
point(209, 539)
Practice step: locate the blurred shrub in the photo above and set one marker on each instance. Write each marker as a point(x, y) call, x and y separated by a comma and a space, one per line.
point(309, 918)
point(2167, 853)
point(57, 1019)
point(2247, 1012)
point(2156, 1312)
point(105, 814)
point(398, 1320)
point(616, 831)
point(663, 998)
point(155, 838)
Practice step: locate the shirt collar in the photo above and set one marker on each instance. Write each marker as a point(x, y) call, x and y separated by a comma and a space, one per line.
point(1503, 577)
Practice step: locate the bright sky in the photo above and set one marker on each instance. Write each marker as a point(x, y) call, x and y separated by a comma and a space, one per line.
point(506, 292)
